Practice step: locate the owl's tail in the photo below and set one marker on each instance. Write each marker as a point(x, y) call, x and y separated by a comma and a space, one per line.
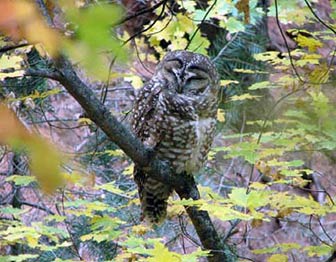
point(153, 198)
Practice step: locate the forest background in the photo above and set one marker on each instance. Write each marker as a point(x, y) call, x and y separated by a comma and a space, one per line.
point(69, 71)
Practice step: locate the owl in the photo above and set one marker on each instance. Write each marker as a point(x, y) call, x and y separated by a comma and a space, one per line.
point(175, 115)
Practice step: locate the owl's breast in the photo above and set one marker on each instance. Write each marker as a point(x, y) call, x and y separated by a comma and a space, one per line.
point(185, 144)
point(204, 129)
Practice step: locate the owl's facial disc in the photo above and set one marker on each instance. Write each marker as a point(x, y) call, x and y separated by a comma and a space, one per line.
point(188, 77)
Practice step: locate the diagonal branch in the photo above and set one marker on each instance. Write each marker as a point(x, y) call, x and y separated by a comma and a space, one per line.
point(65, 74)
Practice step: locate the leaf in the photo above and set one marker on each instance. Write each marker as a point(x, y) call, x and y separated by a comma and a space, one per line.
point(189, 202)
point(135, 80)
point(233, 25)
point(243, 97)
point(129, 170)
point(140, 229)
point(94, 36)
point(278, 258)
point(104, 228)
point(195, 256)
point(111, 187)
point(18, 258)
point(45, 169)
point(225, 212)
point(261, 85)
point(319, 251)
point(162, 254)
point(221, 115)
point(115, 152)
point(84, 121)
point(24, 21)
point(31, 241)
point(21, 180)
point(12, 210)
point(309, 42)
point(266, 56)
point(228, 82)
point(199, 44)
point(247, 150)
point(189, 5)
point(320, 74)
point(249, 71)
point(10, 66)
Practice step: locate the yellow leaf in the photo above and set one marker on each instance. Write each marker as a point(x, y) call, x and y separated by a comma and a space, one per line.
point(10, 66)
point(249, 71)
point(84, 121)
point(162, 254)
point(266, 56)
point(227, 82)
point(243, 97)
point(140, 229)
point(278, 258)
point(309, 42)
point(129, 170)
point(32, 241)
point(221, 115)
point(135, 80)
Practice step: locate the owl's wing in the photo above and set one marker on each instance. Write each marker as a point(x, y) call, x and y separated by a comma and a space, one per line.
point(153, 194)
point(143, 113)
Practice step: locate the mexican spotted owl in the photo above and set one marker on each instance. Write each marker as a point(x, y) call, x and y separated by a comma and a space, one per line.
point(175, 115)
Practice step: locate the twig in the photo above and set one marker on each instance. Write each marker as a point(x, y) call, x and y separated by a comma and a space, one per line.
point(318, 18)
point(285, 41)
point(141, 12)
point(37, 206)
point(9, 48)
point(198, 27)
point(148, 27)
point(221, 52)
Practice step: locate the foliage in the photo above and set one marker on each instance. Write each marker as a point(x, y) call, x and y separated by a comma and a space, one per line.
point(282, 104)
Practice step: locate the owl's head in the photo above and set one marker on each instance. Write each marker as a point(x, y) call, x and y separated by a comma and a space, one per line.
point(188, 73)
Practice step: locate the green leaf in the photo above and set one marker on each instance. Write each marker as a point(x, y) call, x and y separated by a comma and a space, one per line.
point(111, 187)
point(195, 256)
point(94, 36)
point(233, 25)
point(11, 210)
point(18, 258)
point(21, 180)
point(319, 251)
point(261, 85)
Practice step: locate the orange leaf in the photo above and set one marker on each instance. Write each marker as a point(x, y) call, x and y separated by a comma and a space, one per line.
point(44, 159)
point(21, 20)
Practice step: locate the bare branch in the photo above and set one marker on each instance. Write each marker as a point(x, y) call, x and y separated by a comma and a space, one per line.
point(37, 206)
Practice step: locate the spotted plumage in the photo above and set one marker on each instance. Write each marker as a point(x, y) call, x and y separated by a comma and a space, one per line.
point(175, 114)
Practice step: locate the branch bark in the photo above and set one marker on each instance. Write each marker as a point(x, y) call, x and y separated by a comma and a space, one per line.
point(64, 73)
